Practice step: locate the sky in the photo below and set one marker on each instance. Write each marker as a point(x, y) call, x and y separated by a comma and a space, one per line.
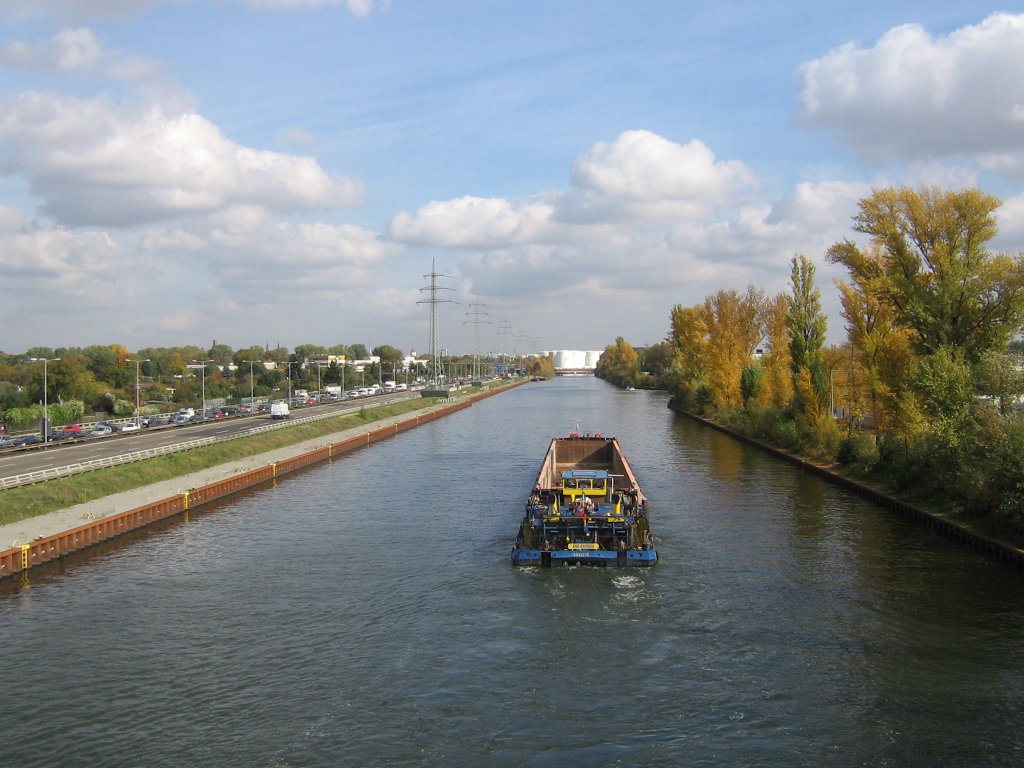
point(284, 172)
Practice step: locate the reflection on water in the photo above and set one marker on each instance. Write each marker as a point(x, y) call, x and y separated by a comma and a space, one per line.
point(366, 614)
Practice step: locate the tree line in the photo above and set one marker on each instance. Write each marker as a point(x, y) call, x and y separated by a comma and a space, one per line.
point(926, 394)
point(102, 378)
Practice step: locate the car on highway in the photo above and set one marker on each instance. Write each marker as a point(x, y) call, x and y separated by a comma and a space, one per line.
point(71, 429)
point(131, 426)
point(156, 421)
point(180, 419)
point(101, 430)
point(32, 439)
point(6, 440)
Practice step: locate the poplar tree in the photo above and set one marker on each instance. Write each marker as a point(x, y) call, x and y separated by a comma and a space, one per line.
point(881, 345)
point(689, 338)
point(807, 326)
point(776, 388)
point(735, 327)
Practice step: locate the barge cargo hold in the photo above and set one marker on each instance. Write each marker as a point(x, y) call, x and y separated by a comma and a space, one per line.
point(587, 508)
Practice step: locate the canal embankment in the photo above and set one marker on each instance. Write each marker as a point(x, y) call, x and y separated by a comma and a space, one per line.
point(953, 529)
point(42, 538)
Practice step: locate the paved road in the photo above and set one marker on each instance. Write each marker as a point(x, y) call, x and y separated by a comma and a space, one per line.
point(18, 462)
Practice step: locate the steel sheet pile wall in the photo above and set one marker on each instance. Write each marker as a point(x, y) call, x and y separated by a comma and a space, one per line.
point(24, 556)
point(49, 548)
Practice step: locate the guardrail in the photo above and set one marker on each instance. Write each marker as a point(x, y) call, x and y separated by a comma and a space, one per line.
point(53, 473)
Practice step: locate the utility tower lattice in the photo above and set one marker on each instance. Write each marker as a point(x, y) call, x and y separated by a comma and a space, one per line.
point(436, 369)
point(476, 316)
point(505, 331)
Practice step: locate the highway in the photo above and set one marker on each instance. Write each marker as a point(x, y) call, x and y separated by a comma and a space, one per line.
point(36, 458)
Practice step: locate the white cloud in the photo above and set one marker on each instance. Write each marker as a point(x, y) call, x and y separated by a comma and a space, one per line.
point(302, 137)
point(639, 178)
point(77, 51)
point(473, 222)
point(92, 9)
point(357, 7)
point(1010, 217)
point(242, 266)
point(641, 166)
point(914, 96)
point(245, 246)
point(94, 161)
point(665, 223)
point(52, 265)
point(74, 9)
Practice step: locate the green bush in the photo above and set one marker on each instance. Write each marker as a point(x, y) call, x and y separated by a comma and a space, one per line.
point(1010, 512)
point(784, 433)
point(20, 418)
point(124, 408)
point(66, 412)
point(859, 452)
point(702, 398)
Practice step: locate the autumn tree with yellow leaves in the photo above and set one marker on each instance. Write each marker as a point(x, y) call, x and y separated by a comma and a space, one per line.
point(922, 383)
point(927, 308)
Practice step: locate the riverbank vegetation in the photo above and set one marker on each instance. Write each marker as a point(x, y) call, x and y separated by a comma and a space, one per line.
point(924, 397)
point(540, 367)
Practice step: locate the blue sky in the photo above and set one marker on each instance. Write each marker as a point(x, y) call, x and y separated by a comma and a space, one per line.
point(285, 171)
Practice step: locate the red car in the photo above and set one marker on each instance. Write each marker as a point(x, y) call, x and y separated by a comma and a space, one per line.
point(72, 429)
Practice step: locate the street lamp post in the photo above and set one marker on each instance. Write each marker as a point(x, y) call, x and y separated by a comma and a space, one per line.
point(850, 386)
point(290, 363)
point(46, 406)
point(202, 364)
point(138, 421)
point(252, 385)
point(832, 391)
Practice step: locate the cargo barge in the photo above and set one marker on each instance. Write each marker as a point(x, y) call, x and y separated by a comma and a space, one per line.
point(586, 508)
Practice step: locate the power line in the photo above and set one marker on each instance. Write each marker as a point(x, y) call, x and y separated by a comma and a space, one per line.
point(436, 369)
point(476, 316)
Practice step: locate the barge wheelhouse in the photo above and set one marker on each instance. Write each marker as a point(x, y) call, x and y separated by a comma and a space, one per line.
point(586, 508)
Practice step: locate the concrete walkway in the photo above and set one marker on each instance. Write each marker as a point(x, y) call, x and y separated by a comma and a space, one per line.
point(41, 526)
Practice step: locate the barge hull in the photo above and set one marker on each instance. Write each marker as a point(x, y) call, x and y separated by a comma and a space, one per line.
point(587, 508)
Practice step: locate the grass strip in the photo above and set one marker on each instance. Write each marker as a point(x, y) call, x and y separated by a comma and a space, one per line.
point(53, 495)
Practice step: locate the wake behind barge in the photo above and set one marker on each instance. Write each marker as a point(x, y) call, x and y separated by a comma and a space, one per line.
point(586, 508)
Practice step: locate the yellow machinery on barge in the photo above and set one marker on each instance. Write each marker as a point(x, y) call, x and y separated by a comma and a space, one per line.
point(586, 508)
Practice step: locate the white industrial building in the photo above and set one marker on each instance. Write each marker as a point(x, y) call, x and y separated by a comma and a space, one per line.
point(574, 360)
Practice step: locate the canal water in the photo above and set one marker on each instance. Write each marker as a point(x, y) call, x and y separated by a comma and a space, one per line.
point(365, 613)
